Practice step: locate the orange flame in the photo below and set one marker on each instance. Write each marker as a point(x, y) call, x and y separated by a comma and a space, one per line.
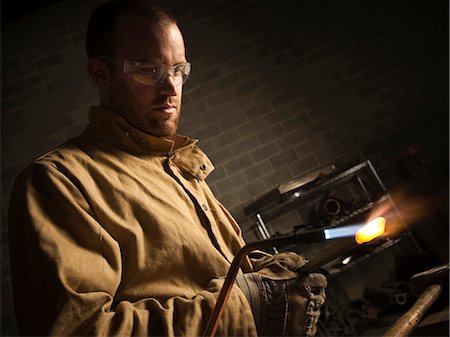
point(402, 211)
point(371, 230)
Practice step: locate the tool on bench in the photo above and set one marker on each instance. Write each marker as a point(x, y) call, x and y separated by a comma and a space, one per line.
point(429, 285)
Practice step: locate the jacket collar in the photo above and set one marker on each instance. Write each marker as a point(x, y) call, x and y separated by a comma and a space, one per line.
point(112, 128)
point(109, 127)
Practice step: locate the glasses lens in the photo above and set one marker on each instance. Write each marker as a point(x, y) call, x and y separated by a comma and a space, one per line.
point(186, 71)
point(181, 72)
point(144, 72)
point(154, 73)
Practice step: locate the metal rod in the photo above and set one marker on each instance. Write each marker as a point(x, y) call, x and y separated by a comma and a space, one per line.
point(332, 250)
point(263, 229)
point(409, 321)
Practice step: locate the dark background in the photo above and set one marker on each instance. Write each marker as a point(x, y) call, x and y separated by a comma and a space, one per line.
point(278, 89)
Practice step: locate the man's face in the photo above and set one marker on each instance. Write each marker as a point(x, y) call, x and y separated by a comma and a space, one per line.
point(154, 109)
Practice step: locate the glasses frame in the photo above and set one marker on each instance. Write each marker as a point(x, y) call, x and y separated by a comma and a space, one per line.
point(157, 66)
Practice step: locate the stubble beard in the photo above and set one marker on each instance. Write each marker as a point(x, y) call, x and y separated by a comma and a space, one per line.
point(141, 116)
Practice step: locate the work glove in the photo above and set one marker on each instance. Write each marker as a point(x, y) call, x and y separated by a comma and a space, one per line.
point(283, 303)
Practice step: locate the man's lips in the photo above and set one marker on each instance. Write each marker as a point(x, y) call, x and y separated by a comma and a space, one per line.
point(166, 108)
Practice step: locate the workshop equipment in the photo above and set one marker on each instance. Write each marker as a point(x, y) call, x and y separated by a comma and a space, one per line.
point(430, 285)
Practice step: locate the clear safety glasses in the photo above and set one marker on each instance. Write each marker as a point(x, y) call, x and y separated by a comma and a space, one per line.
point(153, 72)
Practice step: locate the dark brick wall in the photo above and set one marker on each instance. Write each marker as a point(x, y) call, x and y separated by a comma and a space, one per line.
point(278, 89)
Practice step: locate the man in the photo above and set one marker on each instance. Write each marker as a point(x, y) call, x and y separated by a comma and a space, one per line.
point(116, 233)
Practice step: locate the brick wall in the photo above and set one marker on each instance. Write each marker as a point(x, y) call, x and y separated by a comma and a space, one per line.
point(278, 89)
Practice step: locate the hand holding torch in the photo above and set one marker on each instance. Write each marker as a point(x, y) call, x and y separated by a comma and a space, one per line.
point(361, 233)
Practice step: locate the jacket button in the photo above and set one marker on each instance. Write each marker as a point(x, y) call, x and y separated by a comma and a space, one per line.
point(205, 208)
point(202, 167)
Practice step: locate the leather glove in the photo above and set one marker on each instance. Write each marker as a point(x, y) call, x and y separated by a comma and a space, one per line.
point(283, 302)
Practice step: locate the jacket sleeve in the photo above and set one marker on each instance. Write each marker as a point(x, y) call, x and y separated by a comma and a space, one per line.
point(66, 272)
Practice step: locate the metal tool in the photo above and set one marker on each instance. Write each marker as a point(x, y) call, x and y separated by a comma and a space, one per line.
point(430, 284)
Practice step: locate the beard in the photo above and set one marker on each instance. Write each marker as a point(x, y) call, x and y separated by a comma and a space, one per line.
point(141, 116)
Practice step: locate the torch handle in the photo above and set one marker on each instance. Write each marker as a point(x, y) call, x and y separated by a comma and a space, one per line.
point(305, 236)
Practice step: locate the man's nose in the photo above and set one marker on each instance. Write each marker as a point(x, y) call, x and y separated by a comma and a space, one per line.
point(169, 86)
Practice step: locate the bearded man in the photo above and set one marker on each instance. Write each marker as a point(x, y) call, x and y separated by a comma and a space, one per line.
point(116, 232)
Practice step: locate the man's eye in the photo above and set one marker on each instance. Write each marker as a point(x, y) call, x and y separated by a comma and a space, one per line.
point(179, 70)
point(152, 70)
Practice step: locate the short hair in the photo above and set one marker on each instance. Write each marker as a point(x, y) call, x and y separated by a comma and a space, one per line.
point(101, 30)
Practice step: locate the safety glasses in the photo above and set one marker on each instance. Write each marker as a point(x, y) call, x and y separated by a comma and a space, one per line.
point(153, 72)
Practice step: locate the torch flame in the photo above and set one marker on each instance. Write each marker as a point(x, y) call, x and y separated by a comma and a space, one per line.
point(370, 231)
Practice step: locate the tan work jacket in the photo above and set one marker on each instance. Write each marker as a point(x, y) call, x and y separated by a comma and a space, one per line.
point(116, 233)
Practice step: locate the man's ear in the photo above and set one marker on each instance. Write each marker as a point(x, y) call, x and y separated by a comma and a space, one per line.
point(98, 70)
